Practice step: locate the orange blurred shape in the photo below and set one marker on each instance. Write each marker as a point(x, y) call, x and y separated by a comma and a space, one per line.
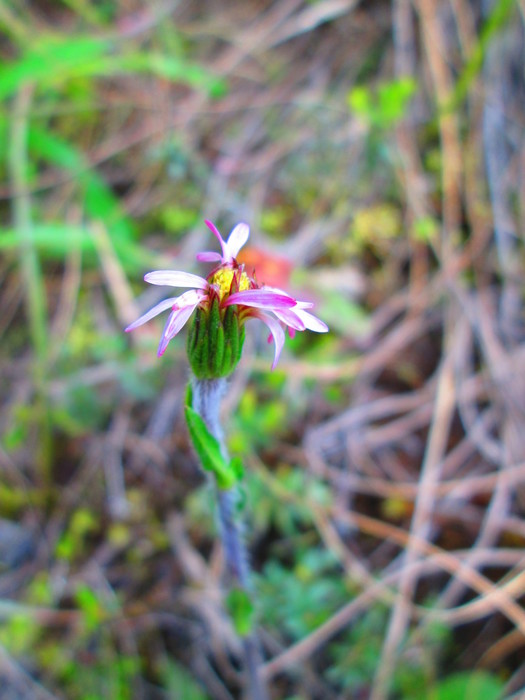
point(272, 270)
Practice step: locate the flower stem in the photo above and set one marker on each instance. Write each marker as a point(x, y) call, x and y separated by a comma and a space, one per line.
point(207, 395)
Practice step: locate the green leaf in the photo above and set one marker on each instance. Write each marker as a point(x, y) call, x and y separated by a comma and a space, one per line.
point(55, 240)
point(92, 611)
point(179, 682)
point(100, 202)
point(55, 59)
point(237, 468)
point(209, 450)
point(359, 101)
point(496, 20)
point(242, 611)
point(170, 68)
point(385, 105)
point(393, 99)
point(50, 60)
point(475, 685)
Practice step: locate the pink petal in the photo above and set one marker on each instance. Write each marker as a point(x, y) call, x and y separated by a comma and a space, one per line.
point(290, 318)
point(261, 298)
point(276, 332)
point(208, 257)
point(172, 278)
point(236, 240)
point(300, 304)
point(216, 233)
point(155, 311)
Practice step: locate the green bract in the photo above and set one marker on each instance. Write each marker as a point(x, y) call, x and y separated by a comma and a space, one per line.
point(215, 341)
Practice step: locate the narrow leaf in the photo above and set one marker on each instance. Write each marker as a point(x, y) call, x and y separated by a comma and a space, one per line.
point(208, 450)
point(242, 611)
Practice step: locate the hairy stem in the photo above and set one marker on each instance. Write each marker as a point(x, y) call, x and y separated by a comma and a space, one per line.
point(207, 395)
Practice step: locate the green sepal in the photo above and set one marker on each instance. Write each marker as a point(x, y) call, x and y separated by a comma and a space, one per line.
point(227, 359)
point(218, 357)
point(188, 398)
point(242, 334)
point(215, 341)
point(233, 332)
point(209, 451)
point(242, 611)
point(237, 468)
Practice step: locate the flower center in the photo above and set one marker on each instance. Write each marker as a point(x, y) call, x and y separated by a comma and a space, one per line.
point(223, 279)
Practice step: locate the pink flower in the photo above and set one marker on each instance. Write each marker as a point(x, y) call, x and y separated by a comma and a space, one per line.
point(229, 285)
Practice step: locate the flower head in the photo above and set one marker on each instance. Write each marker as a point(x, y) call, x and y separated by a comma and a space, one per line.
point(224, 301)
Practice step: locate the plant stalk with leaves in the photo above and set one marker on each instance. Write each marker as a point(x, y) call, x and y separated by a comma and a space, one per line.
point(222, 303)
point(202, 417)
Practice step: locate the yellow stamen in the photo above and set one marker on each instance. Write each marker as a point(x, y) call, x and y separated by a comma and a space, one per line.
point(223, 279)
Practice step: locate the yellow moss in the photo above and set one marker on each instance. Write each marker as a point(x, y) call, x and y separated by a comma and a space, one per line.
point(375, 226)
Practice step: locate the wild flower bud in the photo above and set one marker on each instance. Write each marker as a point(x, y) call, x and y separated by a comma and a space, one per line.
point(215, 341)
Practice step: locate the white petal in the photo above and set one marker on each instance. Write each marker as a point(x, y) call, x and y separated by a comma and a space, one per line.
point(311, 322)
point(173, 278)
point(155, 311)
point(174, 324)
point(237, 239)
point(277, 334)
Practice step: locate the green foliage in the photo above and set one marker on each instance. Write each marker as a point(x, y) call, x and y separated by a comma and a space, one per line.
point(100, 202)
point(298, 488)
point(107, 675)
point(179, 684)
point(89, 603)
point(19, 633)
point(385, 106)
point(469, 685)
point(52, 60)
point(74, 166)
point(71, 544)
point(499, 15)
point(355, 656)
point(276, 220)
point(310, 591)
point(425, 229)
point(16, 434)
point(177, 220)
point(241, 610)
point(258, 422)
point(209, 451)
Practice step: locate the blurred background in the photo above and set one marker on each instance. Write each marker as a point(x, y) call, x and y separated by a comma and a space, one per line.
point(376, 150)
